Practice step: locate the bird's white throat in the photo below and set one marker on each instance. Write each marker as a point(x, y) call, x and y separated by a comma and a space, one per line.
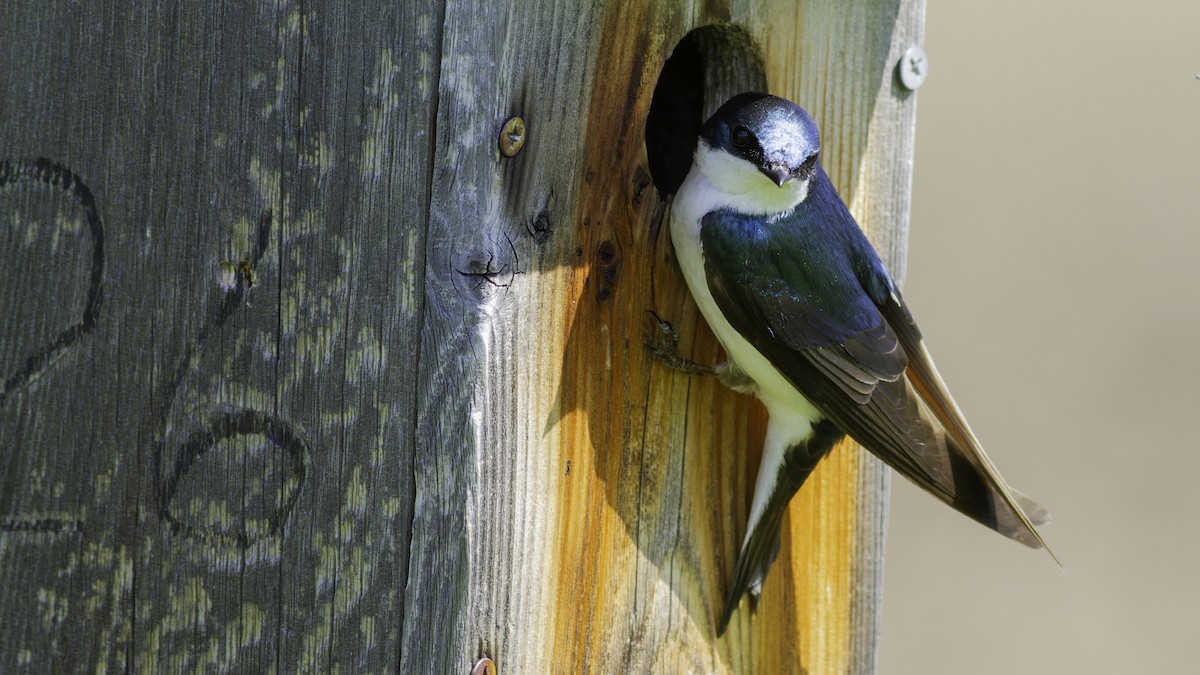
point(743, 187)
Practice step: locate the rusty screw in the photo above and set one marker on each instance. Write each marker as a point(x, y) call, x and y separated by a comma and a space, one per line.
point(485, 666)
point(512, 136)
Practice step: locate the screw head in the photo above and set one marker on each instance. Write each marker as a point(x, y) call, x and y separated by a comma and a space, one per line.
point(484, 666)
point(512, 136)
point(913, 68)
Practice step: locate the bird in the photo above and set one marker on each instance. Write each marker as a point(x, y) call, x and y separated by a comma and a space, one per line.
point(812, 324)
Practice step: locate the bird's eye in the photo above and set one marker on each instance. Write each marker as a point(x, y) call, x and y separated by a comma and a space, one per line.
point(741, 136)
point(810, 163)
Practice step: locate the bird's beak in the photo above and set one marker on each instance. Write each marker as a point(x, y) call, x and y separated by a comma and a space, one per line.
point(778, 173)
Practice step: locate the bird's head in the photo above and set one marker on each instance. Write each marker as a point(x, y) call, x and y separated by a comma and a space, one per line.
point(760, 149)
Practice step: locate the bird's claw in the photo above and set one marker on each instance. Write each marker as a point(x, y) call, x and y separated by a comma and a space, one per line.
point(667, 351)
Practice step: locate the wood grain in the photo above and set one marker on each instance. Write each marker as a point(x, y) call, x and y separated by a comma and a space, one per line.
point(344, 388)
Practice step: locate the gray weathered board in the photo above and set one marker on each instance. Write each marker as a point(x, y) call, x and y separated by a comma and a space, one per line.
point(298, 372)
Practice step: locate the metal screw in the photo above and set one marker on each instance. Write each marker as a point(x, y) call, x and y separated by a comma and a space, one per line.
point(913, 67)
point(484, 666)
point(512, 136)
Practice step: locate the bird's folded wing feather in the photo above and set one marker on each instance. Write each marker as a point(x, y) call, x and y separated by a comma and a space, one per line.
point(815, 300)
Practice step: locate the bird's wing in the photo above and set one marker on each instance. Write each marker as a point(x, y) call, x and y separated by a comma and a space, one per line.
point(923, 376)
point(810, 294)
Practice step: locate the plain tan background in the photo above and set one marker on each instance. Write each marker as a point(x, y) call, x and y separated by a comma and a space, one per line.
point(1053, 270)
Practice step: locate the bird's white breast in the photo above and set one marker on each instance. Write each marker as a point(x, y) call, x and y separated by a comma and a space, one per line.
point(697, 197)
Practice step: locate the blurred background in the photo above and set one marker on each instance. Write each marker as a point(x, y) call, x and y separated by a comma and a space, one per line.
point(1053, 269)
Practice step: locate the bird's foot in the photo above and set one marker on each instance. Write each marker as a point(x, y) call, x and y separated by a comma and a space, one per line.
point(664, 345)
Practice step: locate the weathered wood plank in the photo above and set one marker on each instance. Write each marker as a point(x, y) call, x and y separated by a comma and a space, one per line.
point(232, 483)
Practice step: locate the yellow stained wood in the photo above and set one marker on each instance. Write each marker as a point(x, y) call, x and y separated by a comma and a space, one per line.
point(634, 481)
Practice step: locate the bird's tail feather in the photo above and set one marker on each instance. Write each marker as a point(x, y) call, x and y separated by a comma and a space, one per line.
point(761, 544)
point(1038, 514)
point(757, 554)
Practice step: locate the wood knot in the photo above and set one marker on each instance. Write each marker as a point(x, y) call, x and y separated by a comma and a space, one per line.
point(608, 259)
point(539, 227)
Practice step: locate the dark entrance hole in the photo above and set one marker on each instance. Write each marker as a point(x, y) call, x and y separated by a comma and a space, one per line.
point(708, 66)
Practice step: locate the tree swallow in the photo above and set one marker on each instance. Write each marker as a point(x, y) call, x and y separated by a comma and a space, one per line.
point(812, 324)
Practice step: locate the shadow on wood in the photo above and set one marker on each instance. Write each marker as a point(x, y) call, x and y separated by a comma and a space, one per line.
point(676, 481)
